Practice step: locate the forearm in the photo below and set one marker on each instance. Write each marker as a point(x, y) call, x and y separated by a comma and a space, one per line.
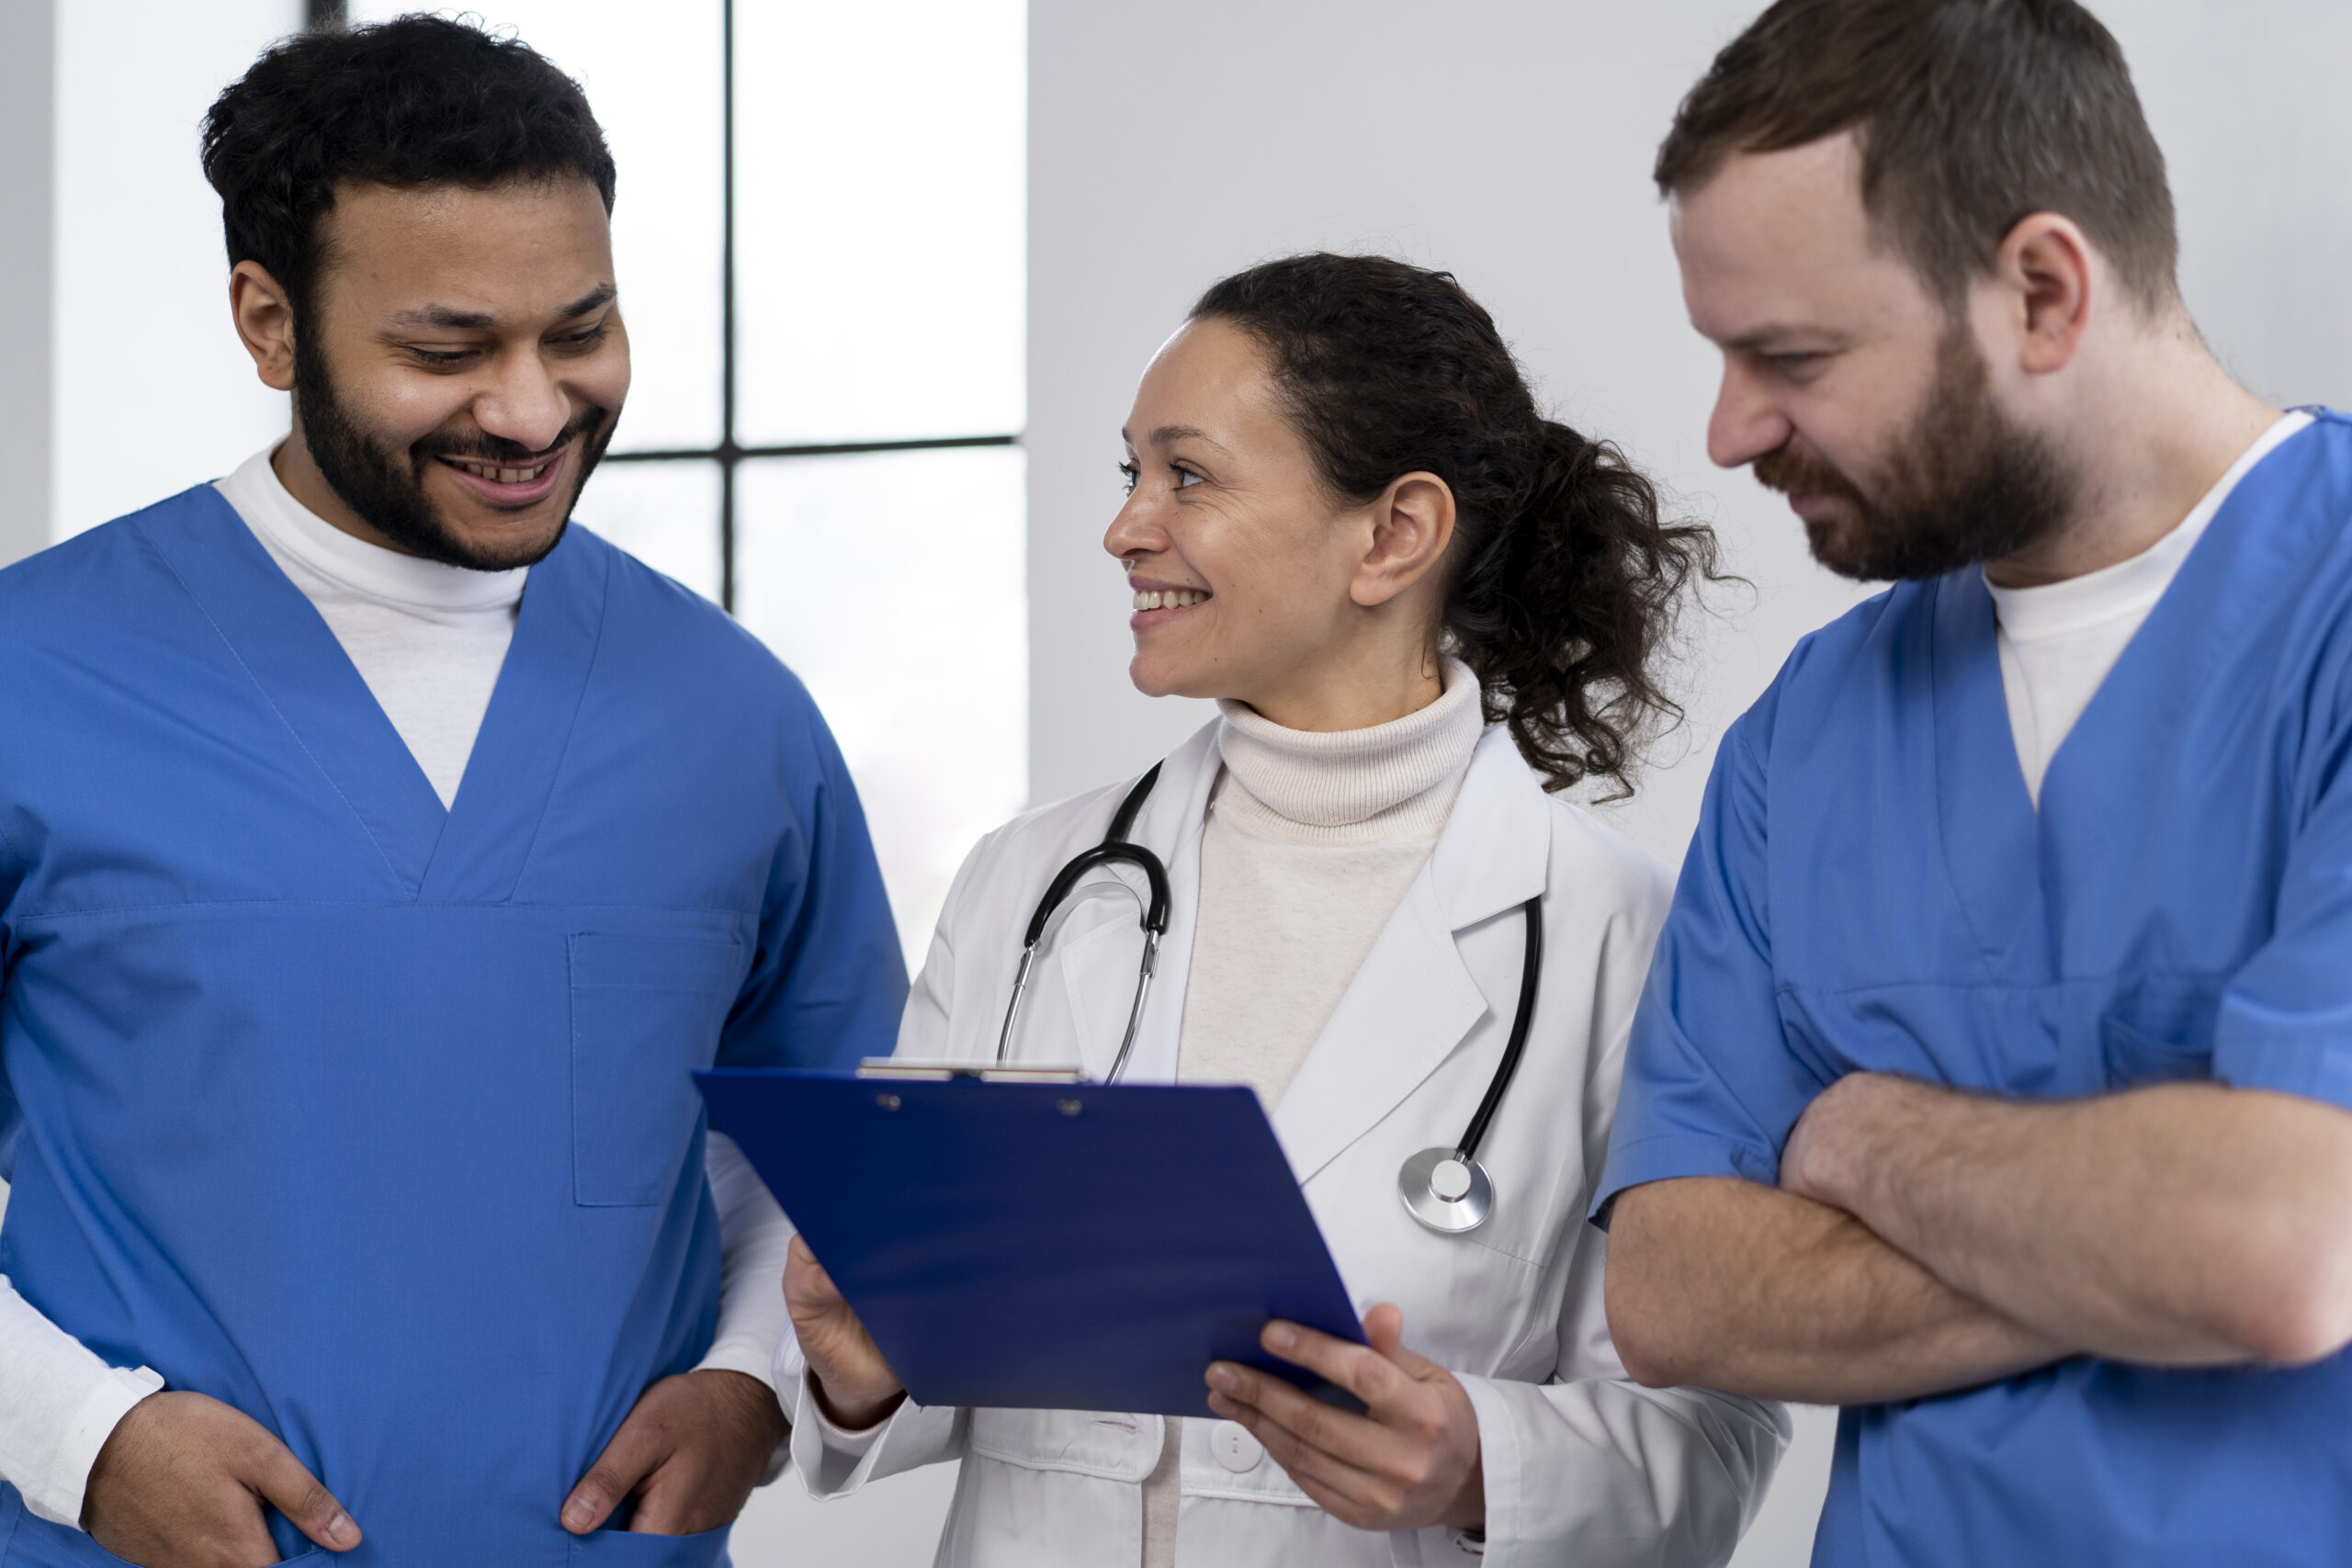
point(754, 1239)
point(2186, 1225)
point(1726, 1284)
point(58, 1405)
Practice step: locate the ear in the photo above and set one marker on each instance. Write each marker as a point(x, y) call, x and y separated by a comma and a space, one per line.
point(265, 320)
point(2046, 264)
point(1411, 525)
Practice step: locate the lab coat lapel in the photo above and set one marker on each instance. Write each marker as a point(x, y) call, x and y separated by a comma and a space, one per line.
point(1415, 1000)
point(1099, 967)
point(520, 749)
point(302, 672)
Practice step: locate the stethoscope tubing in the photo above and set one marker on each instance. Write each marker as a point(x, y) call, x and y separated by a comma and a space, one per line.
point(1446, 1212)
point(1115, 849)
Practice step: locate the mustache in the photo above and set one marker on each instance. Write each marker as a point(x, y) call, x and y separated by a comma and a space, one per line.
point(481, 446)
point(1792, 472)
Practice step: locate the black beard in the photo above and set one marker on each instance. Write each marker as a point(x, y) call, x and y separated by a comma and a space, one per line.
point(1964, 487)
point(370, 478)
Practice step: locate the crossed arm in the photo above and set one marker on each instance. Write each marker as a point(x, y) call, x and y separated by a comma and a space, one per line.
point(1923, 1240)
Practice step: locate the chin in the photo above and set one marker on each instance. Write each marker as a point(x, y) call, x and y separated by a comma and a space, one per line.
point(1154, 678)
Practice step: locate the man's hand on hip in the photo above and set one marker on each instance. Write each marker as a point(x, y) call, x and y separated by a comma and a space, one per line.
point(182, 1483)
point(689, 1453)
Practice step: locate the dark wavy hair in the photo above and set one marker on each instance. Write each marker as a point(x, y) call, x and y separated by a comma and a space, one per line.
point(1563, 580)
point(416, 101)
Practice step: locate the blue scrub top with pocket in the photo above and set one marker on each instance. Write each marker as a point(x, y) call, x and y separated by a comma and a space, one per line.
point(374, 1120)
point(1871, 890)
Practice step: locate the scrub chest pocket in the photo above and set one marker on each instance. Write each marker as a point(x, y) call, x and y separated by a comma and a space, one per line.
point(646, 1011)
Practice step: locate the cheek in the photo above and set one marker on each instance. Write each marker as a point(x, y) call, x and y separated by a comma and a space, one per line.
point(604, 379)
point(406, 408)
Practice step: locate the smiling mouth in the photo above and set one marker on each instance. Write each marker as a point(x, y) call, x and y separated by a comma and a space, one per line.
point(1177, 598)
point(510, 487)
point(502, 476)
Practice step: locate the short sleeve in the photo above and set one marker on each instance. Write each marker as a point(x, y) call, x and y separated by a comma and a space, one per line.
point(1711, 1086)
point(827, 980)
point(2285, 1021)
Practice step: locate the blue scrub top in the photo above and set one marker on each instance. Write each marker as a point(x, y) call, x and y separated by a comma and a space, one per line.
point(1871, 890)
point(374, 1120)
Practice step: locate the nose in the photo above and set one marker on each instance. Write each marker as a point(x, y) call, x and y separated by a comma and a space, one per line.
point(524, 402)
point(1745, 424)
point(1132, 532)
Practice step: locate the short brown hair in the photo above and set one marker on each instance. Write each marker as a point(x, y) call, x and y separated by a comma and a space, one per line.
point(1972, 115)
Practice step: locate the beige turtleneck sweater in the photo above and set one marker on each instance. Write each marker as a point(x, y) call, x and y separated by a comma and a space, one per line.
point(1310, 843)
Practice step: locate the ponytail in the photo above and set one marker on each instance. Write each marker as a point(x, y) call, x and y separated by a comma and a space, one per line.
point(1564, 581)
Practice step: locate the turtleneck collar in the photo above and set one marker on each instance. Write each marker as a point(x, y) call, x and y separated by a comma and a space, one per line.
point(1393, 780)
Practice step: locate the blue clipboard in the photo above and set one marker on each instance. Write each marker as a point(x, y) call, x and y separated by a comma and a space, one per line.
point(1044, 1246)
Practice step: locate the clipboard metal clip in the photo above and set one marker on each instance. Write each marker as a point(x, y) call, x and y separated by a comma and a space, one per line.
point(906, 1069)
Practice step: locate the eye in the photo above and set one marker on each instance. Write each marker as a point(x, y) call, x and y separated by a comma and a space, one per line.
point(1129, 477)
point(1186, 478)
point(1796, 365)
point(441, 357)
point(583, 341)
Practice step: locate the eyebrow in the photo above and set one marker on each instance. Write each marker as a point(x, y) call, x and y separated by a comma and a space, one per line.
point(448, 318)
point(1765, 337)
point(1168, 434)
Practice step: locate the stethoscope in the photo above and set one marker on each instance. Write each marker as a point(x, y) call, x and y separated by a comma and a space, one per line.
point(1445, 1189)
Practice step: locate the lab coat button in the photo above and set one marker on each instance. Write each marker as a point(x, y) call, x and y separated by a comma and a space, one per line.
point(1235, 1447)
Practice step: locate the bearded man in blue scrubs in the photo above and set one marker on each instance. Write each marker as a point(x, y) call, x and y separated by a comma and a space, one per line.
point(378, 857)
point(1993, 1079)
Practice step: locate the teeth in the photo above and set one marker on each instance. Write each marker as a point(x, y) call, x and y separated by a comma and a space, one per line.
point(502, 476)
point(1174, 599)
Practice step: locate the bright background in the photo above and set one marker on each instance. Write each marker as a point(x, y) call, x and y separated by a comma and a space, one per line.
point(973, 217)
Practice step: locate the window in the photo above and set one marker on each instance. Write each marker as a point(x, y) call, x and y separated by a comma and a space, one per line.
point(819, 240)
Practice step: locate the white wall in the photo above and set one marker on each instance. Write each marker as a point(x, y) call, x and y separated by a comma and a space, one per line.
point(152, 392)
point(1511, 140)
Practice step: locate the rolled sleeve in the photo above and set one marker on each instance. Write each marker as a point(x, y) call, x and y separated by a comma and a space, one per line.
point(2285, 1022)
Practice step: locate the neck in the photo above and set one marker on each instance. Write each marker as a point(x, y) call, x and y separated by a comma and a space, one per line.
point(2161, 424)
point(1370, 685)
point(299, 471)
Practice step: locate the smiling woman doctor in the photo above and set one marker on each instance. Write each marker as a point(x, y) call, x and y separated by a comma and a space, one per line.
point(1347, 521)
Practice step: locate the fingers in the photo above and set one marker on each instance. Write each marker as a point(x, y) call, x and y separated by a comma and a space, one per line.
point(847, 1371)
point(1347, 1491)
point(633, 1454)
point(297, 1494)
point(1358, 1441)
point(713, 1432)
point(809, 1294)
point(1384, 1329)
point(1362, 1370)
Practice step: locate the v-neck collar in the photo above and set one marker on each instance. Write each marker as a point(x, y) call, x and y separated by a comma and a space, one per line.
point(2008, 862)
point(528, 728)
point(2239, 570)
point(476, 849)
point(1991, 836)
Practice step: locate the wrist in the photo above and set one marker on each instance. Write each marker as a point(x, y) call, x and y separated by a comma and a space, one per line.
point(1468, 1511)
point(853, 1410)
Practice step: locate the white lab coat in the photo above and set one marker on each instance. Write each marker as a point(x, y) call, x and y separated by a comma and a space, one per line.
point(1582, 1465)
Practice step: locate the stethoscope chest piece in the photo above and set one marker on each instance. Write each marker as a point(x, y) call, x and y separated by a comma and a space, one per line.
point(1446, 1190)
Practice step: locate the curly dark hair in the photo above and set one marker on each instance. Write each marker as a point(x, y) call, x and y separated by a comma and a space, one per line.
point(416, 101)
point(1563, 580)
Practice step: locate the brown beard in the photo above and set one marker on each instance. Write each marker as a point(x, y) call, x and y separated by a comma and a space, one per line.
point(1962, 487)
